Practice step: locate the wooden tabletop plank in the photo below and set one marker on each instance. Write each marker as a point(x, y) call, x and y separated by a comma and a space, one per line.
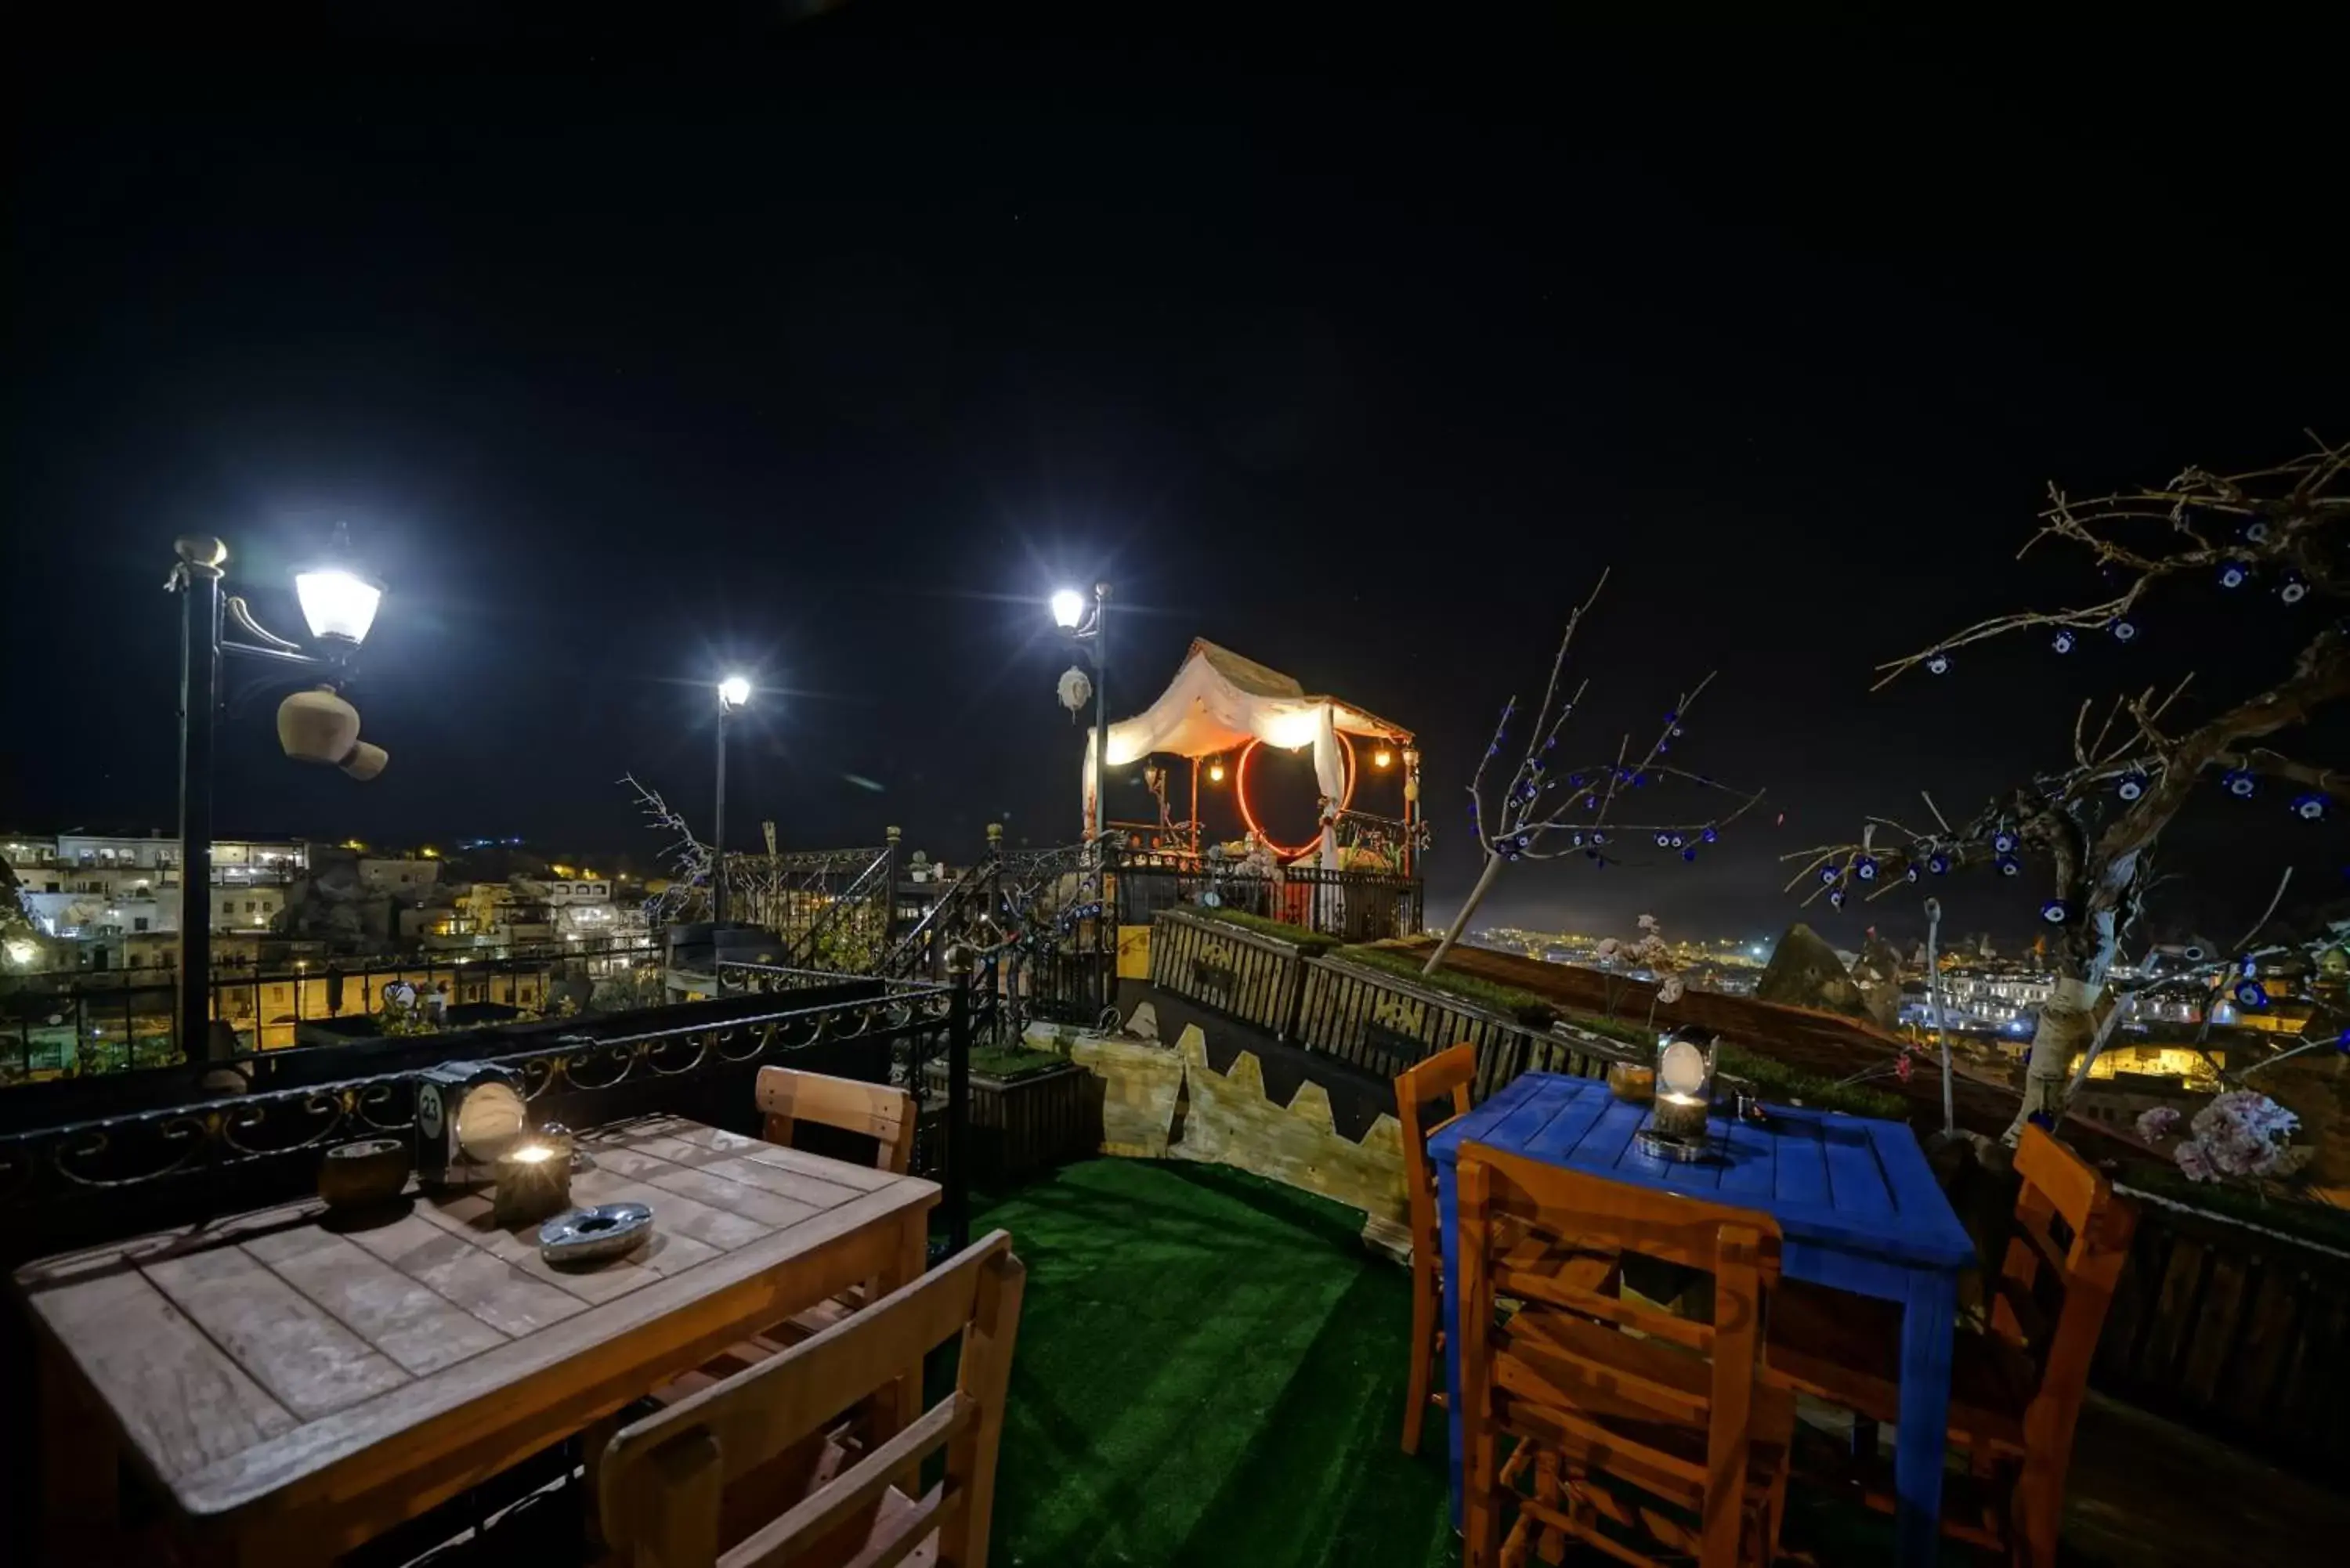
point(814, 1191)
point(1856, 1183)
point(402, 1318)
point(452, 1268)
point(770, 1209)
point(469, 1217)
point(307, 1360)
point(182, 1401)
point(674, 1211)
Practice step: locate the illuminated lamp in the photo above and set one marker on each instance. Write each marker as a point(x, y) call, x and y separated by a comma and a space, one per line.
point(1216, 770)
point(1382, 758)
point(1240, 793)
point(467, 1114)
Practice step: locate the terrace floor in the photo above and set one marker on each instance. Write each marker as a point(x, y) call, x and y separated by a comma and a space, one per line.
point(1211, 1367)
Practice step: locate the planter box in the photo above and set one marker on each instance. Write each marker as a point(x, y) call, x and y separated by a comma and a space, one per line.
point(1025, 1124)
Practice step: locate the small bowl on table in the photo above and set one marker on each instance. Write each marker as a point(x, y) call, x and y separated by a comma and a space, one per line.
point(1634, 1083)
point(365, 1174)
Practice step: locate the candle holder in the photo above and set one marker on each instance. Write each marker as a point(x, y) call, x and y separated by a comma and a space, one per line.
point(1677, 1114)
point(534, 1182)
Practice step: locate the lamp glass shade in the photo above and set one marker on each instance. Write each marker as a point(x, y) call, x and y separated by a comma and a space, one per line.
point(1681, 1068)
point(338, 602)
point(734, 692)
point(1068, 608)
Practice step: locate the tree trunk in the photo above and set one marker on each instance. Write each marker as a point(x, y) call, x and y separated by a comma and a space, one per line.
point(2066, 1026)
point(1468, 908)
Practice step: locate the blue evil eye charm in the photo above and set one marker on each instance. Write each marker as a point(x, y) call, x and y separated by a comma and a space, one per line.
point(2008, 865)
point(2062, 642)
point(1674, 717)
point(2003, 841)
point(1910, 872)
point(1578, 841)
point(1664, 841)
point(2234, 575)
point(1575, 781)
point(2255, 532)
point(1939, 864)
point(1836, 897)
point(2292, 590)
point(2248, 966)
point(2342, 1043)
point(1865, 869)
point(2132, 786)
point(1593, 855)
point(1678, 841)
point(1598, 838)
point(2309, 807)
point(1938, 663)
point(2055, 911)
point(2238, 783)
point(2124, 631)
point(1828, 875)
point(1689, 854)
point(2251, 995)
point(1708, 836)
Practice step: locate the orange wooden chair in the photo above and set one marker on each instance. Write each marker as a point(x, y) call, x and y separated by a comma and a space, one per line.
point(1445, 1077)
point(2016, 1390)
point(662, 1483)
point(1633, 1421)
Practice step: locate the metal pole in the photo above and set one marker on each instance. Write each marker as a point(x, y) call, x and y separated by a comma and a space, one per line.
point(199, 579)
point(1101, 705)
point(958, 1163)
point(718, 831)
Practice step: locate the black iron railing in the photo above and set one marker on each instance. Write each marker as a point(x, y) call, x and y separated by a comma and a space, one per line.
point(1350, 906)
point(111, 1174)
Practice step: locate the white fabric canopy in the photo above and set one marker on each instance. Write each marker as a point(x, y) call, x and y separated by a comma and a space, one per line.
point(1220, 702)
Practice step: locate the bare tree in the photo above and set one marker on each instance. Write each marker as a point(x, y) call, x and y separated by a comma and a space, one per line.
point(2091, 827)
point(1544, 811)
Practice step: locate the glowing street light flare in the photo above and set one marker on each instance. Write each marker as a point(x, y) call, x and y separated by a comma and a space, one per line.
point(338, 603)
point(734, 691)
point(1069, 608)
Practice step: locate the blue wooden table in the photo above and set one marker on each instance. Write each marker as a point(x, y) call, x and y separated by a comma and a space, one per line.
point(1858, 1208)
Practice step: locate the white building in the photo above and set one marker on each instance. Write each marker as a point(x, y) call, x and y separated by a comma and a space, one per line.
point(98, 885)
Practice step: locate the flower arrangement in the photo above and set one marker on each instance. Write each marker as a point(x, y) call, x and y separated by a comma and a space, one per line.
point(2241, 1134)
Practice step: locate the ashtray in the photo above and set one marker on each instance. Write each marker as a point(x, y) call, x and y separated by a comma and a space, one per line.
point(590, 1235)
point(1666, 1145)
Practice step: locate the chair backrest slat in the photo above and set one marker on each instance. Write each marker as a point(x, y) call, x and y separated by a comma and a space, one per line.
point(2059, 1335)
point(660, 1477)
point(877, 1111)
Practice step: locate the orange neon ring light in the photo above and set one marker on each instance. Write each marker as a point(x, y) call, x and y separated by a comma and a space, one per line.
point(1240, 794)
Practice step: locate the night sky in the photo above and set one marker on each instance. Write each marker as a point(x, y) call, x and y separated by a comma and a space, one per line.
point(828, 353)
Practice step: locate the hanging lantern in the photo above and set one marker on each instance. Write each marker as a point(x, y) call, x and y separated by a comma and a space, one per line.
point(2239, 782)
point(1075, 689)
point(2133, 785)
point(2309, 807)
point(1216, 775)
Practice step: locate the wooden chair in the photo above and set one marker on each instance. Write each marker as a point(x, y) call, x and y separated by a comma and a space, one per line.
point(2016, 1390)
point(1445, 1077)
point(1632, 1420)
point(662, 1485)
point(886, 1115)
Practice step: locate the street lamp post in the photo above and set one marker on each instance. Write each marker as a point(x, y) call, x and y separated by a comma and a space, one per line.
point(1069, 613)
point(733, 694)
point(338, 604)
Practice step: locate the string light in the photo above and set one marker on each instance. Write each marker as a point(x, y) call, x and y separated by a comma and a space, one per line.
point(1240, 794)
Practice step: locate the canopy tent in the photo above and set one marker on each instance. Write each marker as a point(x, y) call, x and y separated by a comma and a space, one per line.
point(1220, 702)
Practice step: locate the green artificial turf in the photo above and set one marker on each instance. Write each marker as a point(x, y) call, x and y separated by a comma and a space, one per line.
point(1209, 1374)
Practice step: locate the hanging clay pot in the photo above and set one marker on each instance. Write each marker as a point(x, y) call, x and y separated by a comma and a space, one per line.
point(317, 726)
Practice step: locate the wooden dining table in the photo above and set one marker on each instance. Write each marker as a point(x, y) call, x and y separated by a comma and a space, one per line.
point(294, 1384)
point(1857, 1204)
